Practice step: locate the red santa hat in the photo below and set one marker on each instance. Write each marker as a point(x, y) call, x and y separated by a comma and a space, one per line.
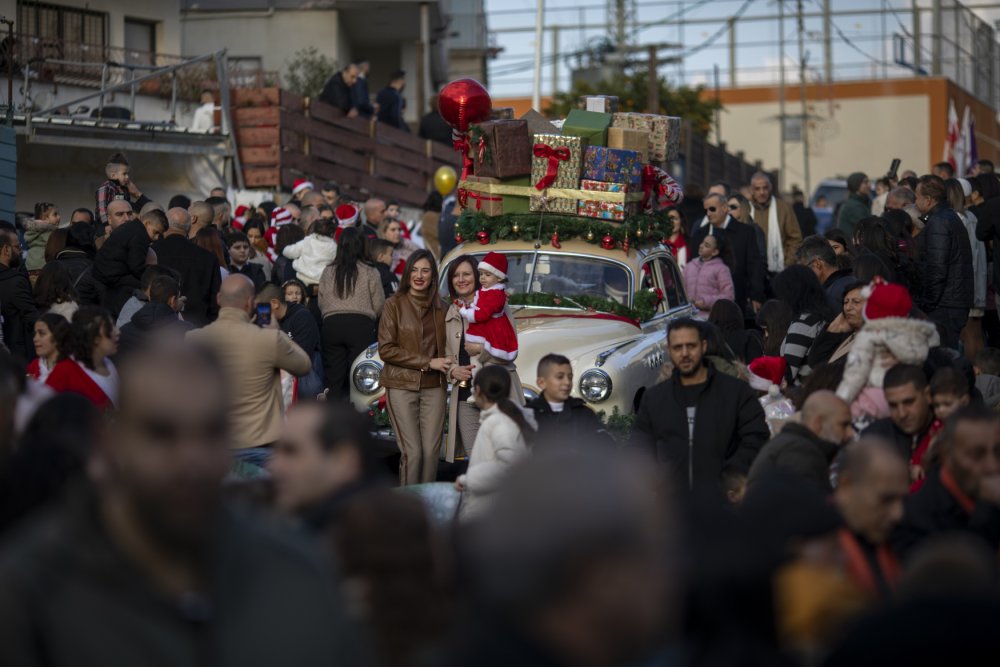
point(766, 372)
point(885, 299)
point(301, 184)
point(346, 214)
point(496, 264)
point(280, 216)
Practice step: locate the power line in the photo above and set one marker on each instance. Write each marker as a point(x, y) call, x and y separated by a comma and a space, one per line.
point(718, 33)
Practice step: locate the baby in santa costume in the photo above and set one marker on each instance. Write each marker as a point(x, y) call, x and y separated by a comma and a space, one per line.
point(490, 334)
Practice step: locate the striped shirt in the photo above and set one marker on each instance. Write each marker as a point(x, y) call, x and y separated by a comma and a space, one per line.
point(798, 341)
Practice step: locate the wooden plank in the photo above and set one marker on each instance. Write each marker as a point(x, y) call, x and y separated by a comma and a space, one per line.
point(328, 171)
point(292, 140)
point(335, 135)
point(258, 177)
point(268, 156)
point(389, 190)
point(297, 161)
point(408, 160)
point(290, 101)
point(396, 137)
point(254, 97)
point(293, 120)
point(257, 136)
point(442, 152)
point(324, 150)
point(361, 126)
point(323, 111)
point(399, 174)
point(256, 116)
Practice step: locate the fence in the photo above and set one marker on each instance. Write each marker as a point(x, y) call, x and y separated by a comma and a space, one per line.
point(283, 137)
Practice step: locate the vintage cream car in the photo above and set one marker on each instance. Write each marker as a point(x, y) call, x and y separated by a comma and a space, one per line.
point(614, 358)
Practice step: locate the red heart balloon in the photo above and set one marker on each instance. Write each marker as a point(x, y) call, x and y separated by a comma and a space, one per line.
point(464, 102)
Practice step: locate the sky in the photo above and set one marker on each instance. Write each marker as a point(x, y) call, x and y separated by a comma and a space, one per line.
point(863, 44)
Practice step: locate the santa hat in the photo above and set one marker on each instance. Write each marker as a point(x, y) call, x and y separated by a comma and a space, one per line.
point(280, 216)
point(885, 300)
point(496, 264)
point(302, 184)
point(766, 372)
point(346, 214)
point(240, 217)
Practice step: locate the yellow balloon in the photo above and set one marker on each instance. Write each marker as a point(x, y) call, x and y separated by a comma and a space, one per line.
point(445, 179)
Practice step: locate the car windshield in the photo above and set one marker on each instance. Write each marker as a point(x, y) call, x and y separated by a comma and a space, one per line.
point(565, 275)
point(828, 195)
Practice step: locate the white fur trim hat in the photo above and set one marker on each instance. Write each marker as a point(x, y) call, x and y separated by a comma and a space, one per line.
point(302, 184)
point(496, 264)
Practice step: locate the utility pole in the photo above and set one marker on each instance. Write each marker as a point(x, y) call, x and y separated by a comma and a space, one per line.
point(653, 100)
point(555, 60)
point(718, 102)
point(536, 91)
point(781, 91)
point(802, 98)
point(828, 43)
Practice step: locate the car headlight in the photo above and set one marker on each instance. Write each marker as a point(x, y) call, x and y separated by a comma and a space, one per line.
point(595, 385)
point(529, 394)
point(366, 377)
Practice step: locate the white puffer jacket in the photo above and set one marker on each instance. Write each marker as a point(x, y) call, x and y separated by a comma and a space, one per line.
point(499, 445)
point(880, 345)
point(310, 256)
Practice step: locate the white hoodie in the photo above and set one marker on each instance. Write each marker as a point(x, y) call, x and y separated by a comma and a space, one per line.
point(310, 256)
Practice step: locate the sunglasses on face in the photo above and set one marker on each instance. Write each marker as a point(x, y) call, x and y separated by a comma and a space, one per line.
point(712, 209)
point(734, 207)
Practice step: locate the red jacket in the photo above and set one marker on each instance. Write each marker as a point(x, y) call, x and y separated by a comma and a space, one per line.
point(69, 376)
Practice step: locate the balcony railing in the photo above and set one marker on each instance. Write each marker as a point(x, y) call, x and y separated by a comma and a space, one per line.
point(45, 60)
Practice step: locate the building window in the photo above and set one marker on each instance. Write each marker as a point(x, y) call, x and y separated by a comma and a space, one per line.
point(68, 25)
point(140, 42)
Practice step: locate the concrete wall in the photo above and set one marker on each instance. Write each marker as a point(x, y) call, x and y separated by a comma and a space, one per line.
point(273, 35)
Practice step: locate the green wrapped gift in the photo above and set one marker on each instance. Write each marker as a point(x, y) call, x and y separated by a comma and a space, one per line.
point(590, 125)
point(512, 203)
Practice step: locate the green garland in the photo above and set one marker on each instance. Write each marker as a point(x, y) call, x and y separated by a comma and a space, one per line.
point(654, 228)
point(646, 302)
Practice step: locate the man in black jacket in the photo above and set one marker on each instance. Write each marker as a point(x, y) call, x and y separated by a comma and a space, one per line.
point(198, 268)
point(817, 253)
point(157, 316)
point(17, 306)
point(360, 96)
point(300, 325)
point(151, 544)
point(910, 413)
point(120, 262)
point(699, 421)
point(391, 102)
point(807, 448)
point(748, 267)
point(337, 91)
point(964, 495)
point(946, 261)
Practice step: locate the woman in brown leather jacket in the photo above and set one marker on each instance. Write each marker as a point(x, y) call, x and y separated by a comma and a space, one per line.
point(411, 341)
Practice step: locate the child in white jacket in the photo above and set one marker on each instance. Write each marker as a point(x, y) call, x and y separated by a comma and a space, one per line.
point(501, 442)
point(313, 253)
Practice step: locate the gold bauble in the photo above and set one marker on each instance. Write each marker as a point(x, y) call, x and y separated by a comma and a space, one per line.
point(590, 234)
point(638, 233)
point(516, 228)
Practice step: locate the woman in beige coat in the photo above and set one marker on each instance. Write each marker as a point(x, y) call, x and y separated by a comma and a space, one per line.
point(463, 416)
point(411, 344)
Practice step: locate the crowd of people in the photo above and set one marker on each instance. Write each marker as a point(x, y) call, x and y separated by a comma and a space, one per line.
point(815, 480)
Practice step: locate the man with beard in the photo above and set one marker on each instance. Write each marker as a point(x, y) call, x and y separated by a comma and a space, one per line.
point(148, 563)
point(17, 306)
point(699, 421)
point(964, 495)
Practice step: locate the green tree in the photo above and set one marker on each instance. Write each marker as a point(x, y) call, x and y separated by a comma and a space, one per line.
point(633, 92)
point(308, 72)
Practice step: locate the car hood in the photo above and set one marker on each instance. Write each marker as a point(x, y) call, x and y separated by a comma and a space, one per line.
point(573, 333)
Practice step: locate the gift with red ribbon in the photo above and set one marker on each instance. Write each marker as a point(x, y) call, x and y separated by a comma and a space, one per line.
point(554, 156)
point(480, 201)
point(556, 163)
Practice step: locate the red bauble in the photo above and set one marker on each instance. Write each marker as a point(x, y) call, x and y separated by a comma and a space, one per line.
point(458, 237)
point(464, 102)
point(483, 237)
point(608, 242)
point(555, 240)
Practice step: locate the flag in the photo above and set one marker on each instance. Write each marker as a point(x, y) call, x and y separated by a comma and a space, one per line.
point(961, 150)
point(951, 140)
point(971, 151)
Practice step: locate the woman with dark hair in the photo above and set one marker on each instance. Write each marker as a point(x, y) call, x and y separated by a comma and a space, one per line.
point(91, 373)
point(462, 279)
point(53, 341)
point(55, 244)
point(265, 208)
point(351, 300)
point(717, 351)
point(677, 241)
point(210, 239)
point(429, 222)
point(873, 236)
point(841, 246)
point(868, 265)
point(504, 434)
point(799, 287)
point(774, 318)
point(411, 339)
point(747, 345)
point(54, 291)
point(254, 228)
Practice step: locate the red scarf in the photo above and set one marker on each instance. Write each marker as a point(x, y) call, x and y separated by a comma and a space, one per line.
point(860, 569)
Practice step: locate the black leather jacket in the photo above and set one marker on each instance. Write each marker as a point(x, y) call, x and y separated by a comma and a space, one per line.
point(946, 261)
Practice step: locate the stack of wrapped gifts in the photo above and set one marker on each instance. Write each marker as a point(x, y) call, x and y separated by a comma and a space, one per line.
point(592, 167)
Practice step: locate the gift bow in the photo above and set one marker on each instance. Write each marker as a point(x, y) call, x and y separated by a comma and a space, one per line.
point(554, 156)
point(460, 142)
